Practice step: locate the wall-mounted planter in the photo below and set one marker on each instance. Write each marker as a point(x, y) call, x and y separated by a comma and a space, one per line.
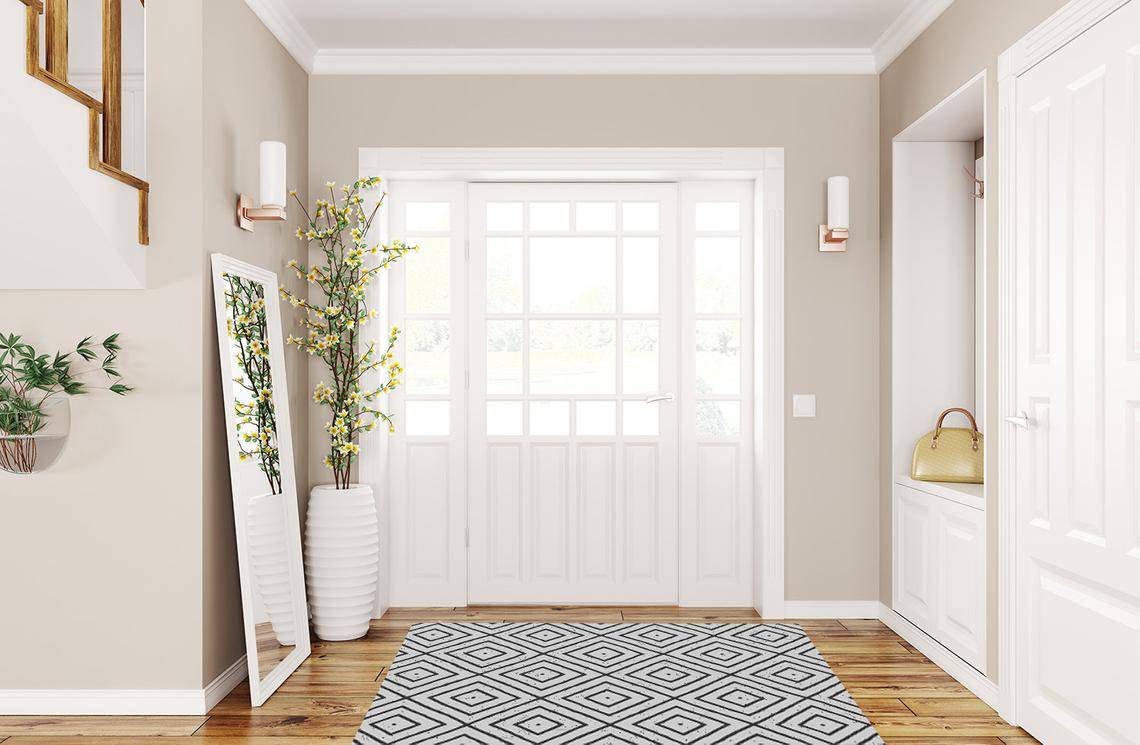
point(32, 442)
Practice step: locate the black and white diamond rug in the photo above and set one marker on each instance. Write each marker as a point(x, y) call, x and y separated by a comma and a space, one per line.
point(612, 684)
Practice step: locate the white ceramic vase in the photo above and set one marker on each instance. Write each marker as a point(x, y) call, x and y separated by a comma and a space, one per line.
point(342, 548)
point(265, 536)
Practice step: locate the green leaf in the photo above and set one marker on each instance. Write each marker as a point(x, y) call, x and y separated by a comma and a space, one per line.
point(120, 389)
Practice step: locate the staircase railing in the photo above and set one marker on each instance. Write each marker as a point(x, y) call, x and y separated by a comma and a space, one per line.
point(105, 136)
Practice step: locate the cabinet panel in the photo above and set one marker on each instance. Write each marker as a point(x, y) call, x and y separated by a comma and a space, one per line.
point(961, 574)
point(940, 570)
point(914, 555)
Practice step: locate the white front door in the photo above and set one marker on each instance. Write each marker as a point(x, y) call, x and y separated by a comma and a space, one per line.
point(572, 413)
point(1078, 384)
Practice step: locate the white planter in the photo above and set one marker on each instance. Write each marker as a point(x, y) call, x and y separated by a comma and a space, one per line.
point(269, 562)
point(342, 548)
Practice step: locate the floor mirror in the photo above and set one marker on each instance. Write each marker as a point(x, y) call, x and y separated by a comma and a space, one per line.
point(259, 440)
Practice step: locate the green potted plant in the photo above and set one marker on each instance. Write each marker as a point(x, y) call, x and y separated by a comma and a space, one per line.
point(342, 541)
point(35, 416)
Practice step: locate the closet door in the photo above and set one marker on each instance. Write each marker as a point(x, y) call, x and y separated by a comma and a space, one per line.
point(1078, 385)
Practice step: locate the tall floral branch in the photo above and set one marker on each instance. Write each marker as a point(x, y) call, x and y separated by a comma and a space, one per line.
point(333, 325)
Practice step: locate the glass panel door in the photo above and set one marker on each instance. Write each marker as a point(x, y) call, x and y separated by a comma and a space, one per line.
point(573, 319)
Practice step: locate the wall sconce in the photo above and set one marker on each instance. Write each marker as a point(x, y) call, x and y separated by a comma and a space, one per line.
point(833, 236)
point(272, 189)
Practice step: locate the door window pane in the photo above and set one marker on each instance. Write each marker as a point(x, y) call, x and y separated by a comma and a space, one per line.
point(504, 275)
point(639, 419)
point(504, 418)
point(427, 345)
point(640, 217)
point(572, 275)
point(426, 276)
point(718, 418)
point(718, 357)
point(504, 356)
point(504, 217)
point(718, 275)
point(596, 418)
point(640, 357)
point(718, 216)
point(572, 357)
point(427, 418)
point(547, 217)
point(429, 216)
point(595, 217)
point(549, 418)
point(640, 275)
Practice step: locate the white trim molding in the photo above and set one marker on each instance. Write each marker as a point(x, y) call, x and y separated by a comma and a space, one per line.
point(828, 609)
point(1068, 23)
point(751, 61)
point(952, 664)
point(763, 165)
point(915, 18)
point(281, 22)
point(122, 701)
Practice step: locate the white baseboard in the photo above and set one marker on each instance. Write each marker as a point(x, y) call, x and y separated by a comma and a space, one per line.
point(978, 684)
point(812, 609)
point(221, 686)
point(122, 701)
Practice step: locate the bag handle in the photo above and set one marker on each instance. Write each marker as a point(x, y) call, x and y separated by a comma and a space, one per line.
point(941, 417)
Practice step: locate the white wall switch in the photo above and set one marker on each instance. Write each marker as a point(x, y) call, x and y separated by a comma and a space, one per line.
point(803, 405)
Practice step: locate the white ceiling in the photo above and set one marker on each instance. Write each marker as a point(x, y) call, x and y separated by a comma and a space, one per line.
point(556, 36)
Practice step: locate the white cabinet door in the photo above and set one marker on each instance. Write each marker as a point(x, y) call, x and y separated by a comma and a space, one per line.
point(1078, 381)
point(914, 518)
point(960, 576)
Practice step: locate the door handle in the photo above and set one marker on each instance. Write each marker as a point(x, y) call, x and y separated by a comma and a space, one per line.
point(658, 398)
point(1021, 420)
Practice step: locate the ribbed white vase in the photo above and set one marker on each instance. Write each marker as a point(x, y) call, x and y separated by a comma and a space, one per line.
point(265, 536)
point(342, 548)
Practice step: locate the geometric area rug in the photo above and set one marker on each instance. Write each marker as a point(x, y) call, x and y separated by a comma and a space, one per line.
point(612, 684)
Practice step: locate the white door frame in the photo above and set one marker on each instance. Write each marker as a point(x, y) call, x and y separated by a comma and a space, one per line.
point(1062, 27)
point(765, 166)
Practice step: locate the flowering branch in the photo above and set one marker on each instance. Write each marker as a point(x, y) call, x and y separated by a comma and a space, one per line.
point(332, 326)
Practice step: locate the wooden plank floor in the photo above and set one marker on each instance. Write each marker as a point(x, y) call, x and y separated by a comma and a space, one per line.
point(909, 699)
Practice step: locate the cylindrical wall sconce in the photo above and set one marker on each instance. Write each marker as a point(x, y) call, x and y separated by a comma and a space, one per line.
point(833, 236)
point(272, 188)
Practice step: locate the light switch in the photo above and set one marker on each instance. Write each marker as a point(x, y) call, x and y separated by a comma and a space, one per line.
point(803, 405)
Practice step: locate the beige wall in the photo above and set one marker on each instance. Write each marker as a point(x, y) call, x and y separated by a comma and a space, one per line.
point(119, 562)
point(256, 91)
point(101, 555)
point(828, 126)
point(965, 40)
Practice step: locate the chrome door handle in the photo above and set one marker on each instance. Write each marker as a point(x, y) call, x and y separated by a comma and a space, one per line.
point(658, 398)
point(1021, 420)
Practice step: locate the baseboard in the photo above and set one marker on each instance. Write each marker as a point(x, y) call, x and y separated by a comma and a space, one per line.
point(122, 701)
point(813, 609)
point(978, 684)
point(221, 686)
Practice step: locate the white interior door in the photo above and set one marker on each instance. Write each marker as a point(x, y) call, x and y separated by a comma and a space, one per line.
point(573, 318)
point(1078, 383)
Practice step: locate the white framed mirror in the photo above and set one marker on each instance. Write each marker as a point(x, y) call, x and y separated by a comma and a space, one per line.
point(259, 442)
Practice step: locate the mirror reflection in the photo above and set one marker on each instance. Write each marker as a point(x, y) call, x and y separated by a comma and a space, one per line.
point(261, 474)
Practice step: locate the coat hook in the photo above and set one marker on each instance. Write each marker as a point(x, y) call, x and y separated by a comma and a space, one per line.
point(979, 185)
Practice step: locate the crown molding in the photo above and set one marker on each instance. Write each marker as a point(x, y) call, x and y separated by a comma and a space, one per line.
point(594, 62)
point(284, 25)
point(915, 18)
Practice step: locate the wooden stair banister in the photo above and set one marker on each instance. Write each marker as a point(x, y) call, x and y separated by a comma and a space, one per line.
point(105, 138)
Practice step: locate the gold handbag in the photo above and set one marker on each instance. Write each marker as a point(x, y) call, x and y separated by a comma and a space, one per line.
point(951, 454)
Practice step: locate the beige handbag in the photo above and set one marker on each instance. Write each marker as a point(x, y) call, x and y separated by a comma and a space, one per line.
point(951, 454)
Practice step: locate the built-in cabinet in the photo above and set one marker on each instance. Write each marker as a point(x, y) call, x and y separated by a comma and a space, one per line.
point(939, 530)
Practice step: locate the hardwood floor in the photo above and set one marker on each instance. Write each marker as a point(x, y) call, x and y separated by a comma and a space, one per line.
point(909, 699)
